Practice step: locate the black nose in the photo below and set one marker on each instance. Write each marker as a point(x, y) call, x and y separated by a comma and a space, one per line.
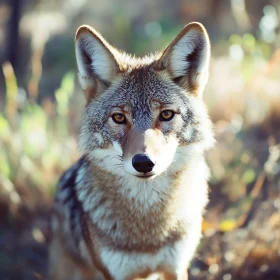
point(142, 163)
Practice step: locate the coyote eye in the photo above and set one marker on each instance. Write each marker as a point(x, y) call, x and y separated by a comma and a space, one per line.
point(119, 118)
point(166, 115)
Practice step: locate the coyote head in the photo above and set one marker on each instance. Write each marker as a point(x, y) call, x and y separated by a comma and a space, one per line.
point(144, 117)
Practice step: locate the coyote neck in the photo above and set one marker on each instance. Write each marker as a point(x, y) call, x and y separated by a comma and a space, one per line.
point(140, 216)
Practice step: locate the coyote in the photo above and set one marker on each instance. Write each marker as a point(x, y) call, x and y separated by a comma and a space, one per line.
point(131, 207)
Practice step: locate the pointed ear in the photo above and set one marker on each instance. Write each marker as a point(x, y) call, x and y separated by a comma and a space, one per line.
point(96, 62)
point(186, 59)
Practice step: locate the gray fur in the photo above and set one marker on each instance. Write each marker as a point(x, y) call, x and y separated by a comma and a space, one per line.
point(136, 90)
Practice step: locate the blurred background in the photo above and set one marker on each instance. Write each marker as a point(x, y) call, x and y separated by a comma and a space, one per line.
point(41, 106)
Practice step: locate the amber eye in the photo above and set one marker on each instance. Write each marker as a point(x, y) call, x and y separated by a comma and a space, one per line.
point(119, 118)
point(166, 115)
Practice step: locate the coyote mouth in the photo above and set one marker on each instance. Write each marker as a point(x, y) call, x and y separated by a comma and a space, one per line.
point(145, 176)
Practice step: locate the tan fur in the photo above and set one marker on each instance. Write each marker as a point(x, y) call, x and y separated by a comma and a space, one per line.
point(110, 220)
point(64, 262)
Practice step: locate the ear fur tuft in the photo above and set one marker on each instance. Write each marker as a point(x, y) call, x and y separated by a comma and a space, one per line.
point(96, 62)
point(186, 59)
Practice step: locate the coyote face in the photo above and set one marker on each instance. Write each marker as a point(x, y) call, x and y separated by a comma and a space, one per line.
point(144, 117)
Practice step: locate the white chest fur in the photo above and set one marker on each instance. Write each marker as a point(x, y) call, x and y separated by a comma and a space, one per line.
point(174, 259)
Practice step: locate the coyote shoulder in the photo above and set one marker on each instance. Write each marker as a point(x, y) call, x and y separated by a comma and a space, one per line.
point(132, 206)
